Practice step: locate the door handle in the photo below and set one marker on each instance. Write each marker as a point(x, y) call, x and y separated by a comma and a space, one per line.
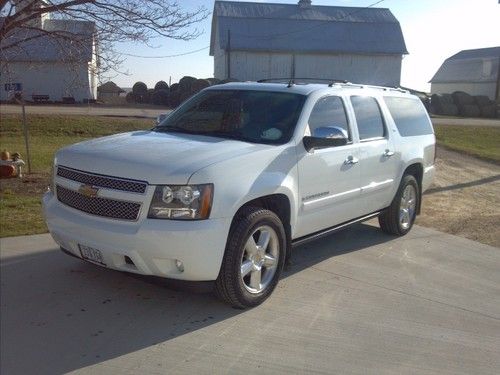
point(388, 153)
point(351, 160)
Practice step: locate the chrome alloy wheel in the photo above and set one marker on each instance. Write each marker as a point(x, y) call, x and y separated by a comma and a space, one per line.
point(259, 260)
point(407, 206)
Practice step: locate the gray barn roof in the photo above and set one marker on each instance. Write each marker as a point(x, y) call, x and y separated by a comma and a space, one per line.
point(323, 29)
point(473, 65)
point(71, 40)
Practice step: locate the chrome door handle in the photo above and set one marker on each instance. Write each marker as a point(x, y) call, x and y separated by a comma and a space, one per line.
point(388, 153)
point(351, 160)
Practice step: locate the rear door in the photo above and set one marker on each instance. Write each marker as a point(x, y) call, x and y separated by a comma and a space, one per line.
point(378, 159)
point(328, 185)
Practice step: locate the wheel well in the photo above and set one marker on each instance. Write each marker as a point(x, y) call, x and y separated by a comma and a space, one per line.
point(280, 205)
point(417, 171)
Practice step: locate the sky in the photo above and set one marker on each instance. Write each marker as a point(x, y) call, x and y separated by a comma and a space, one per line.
point(433, 30)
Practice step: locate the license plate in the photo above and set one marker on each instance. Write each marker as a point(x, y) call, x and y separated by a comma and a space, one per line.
point(91, 254)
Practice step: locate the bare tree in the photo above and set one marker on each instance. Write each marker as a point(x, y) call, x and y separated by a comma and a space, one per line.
point(113, 21)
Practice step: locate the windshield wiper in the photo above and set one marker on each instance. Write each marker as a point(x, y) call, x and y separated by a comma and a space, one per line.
point(223, 134)
point(176, 129)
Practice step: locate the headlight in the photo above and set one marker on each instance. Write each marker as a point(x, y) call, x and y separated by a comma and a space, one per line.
point(182, 202)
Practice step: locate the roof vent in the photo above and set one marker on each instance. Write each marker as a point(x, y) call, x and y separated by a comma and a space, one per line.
point(305, 4)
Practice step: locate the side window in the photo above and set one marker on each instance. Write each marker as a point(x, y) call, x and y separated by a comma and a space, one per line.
point(368, 117)
point(329, 111)
point(409, 115)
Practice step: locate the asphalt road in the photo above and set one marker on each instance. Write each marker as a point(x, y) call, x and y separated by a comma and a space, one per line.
point(356, 302)
point(152, 113)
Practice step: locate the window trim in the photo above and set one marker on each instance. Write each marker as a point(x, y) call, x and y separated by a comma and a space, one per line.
point(384, 122)
point(348, 120)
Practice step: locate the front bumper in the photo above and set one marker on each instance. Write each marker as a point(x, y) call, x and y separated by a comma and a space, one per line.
point(152, 245)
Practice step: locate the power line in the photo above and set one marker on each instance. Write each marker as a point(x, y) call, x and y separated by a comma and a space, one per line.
point(166, 56)
point(270, 36)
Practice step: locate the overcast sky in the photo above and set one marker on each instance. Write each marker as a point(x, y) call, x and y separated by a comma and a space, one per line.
point(433, 30)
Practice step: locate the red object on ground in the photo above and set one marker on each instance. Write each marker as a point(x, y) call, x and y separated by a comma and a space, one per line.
point(7, 171)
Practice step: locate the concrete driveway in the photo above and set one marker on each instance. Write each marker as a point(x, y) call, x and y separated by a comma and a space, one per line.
point(356, 302)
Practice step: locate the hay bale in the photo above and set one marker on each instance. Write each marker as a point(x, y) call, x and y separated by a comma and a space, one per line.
point(161, 85)
point(489, 111)
point(199, 85)
point(469, 110)
point(462, 99)
point(160, 97)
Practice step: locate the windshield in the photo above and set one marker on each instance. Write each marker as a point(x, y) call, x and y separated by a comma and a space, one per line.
point(252, 116)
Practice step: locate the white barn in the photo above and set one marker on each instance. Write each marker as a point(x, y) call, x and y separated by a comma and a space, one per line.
point(474, 71)
point(253, 41)
point(41, 66)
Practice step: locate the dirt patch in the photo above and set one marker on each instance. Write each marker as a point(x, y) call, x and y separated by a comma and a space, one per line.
point(464, 199)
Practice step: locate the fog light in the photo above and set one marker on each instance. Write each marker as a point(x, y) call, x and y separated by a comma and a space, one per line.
point(179, 265)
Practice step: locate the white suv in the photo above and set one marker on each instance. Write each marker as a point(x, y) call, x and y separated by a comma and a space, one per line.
point(225, 185)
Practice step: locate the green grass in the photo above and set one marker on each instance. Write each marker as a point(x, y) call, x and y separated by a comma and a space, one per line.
point(479, 141)
point(20, 199)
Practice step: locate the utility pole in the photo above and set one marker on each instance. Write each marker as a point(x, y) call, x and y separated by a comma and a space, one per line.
point(228, 54)
point(26, 135)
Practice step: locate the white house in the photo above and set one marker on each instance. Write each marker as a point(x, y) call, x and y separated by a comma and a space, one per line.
point(253, 41)
point(474, 71)
point(40, 65)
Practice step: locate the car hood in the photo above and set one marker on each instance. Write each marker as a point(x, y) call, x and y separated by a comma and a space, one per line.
point(157, 158)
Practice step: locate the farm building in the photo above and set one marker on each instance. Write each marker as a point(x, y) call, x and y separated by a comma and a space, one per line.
point(253, 41)
point(44, 67)
point(474, 71)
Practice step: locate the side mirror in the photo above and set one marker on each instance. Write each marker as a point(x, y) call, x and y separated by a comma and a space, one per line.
point(160, 118)
point(328, 136)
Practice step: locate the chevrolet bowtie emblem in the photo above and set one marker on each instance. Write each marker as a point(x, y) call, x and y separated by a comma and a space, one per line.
point(88, 190)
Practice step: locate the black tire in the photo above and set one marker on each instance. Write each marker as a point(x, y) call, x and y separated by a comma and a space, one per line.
point(229, 286)
point(389, 219)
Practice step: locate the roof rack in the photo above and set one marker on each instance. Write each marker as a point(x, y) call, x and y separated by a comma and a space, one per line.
point(301, 81)
point(330, 82)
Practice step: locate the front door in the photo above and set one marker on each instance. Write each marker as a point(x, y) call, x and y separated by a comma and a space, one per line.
point(329, 177)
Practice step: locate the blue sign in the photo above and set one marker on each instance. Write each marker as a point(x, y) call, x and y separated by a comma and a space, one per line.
point(13, 87)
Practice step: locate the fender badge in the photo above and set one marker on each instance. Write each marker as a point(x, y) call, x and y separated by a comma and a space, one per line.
point(88, 190)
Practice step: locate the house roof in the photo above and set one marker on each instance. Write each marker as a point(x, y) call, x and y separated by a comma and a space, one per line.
point(110, 87)
point(59, 40)
point(474, 65)
point(288, 27)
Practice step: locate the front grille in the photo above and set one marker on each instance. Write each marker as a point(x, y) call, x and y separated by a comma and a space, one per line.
point(109, 182)
point(99, 206)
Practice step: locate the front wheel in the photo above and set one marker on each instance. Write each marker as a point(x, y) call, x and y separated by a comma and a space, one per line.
point(400, 216)
point(253, 259)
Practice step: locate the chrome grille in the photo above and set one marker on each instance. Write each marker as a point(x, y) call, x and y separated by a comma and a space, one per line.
point(108, 182)
point(105, 207)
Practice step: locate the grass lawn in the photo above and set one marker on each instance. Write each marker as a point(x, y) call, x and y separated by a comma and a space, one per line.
point(20, 205)
point(480, 141)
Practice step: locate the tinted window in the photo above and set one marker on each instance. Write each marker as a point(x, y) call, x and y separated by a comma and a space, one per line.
point(409, 115)
point(254, 116)
point(329, 111)
point(368, 117)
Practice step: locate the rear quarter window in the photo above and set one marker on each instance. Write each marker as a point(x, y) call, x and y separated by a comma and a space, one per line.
point(409, 115)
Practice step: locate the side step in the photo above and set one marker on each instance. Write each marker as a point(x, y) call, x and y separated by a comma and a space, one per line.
point(336, 228)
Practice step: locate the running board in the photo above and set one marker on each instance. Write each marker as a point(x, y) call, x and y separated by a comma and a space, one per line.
point(336, 228)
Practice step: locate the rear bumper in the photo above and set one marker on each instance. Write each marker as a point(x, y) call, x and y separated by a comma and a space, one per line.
point(152, 245)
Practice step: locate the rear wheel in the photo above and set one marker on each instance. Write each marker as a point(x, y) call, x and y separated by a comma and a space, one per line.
point(400, 216)
point(254, 258)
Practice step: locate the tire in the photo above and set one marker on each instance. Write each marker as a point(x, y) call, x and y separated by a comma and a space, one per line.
point(398, 219)
point(245, 255)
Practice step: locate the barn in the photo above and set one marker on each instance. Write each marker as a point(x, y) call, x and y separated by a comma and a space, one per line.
point(253, 41)
point(474, 71)
point(54, 60)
